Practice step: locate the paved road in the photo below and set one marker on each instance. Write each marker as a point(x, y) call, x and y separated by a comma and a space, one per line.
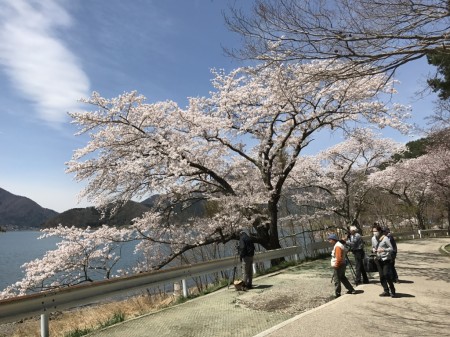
point(422, 307)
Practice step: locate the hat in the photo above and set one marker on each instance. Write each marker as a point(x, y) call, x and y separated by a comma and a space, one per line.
point(353, 228)
point(333, 237)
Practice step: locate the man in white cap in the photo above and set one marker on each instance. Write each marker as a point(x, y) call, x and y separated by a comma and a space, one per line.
point(356, 245)
point(338, 264)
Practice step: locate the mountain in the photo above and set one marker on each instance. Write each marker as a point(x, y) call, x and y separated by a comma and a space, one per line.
point(18, 212)
point(90, 216)
point(21, 213)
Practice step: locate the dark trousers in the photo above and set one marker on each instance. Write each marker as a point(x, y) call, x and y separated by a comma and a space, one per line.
point(339, 276)
point(247, 270)
point(359, 266)
point(385, 269)
point(394, 271)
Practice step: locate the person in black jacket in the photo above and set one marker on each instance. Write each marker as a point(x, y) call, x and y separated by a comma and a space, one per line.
point(356, 244)
point(246, 252)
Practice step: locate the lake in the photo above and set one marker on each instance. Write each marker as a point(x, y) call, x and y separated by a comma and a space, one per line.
point(16, 248)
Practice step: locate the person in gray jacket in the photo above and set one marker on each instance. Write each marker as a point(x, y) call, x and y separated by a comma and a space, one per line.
point(356, 245)
point(381, 245)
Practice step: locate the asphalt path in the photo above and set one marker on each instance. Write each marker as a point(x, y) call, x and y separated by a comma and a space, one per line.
point(421, 308)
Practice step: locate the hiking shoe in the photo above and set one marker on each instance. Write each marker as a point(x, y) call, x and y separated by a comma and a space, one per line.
point(392, 295)
point(384, 294)
point(351, 291)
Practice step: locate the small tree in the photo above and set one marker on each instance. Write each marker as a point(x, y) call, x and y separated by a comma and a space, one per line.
point(334, 181)
point(405, 181)
point(82, 255)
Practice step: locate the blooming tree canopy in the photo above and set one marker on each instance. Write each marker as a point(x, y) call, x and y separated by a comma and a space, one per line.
point(82, 255)
point(334, 181)
point(405, 180)
point(420, 181)
point(234, 149)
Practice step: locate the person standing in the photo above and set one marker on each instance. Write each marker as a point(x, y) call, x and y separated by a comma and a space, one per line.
point(387, 232)
point(339, 266)
point(356, 245)
point(246, 253)
point(381, 245)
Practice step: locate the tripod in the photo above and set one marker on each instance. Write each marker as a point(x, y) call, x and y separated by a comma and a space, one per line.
point(234, 270)
point(351, 268)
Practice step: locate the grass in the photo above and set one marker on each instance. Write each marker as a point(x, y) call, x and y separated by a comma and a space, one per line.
point(78, 332)
point(83, 320)
point(445, 250)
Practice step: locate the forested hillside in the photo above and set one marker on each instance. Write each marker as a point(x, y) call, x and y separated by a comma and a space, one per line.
point(17, 212)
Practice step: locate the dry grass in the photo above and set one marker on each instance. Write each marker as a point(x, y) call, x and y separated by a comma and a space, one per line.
point(92, 317)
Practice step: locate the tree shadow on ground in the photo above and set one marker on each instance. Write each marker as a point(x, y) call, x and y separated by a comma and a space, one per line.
point(424, 265)
point(407, 320)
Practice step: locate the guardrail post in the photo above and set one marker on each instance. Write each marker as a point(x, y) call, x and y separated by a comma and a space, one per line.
point(185, 290)
point(420, 234)
point(176, 289)
point(44, 325)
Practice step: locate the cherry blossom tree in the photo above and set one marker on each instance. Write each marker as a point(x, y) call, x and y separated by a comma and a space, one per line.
point(405, 180)
point(82, 255)
point(333, 182)
point(434, 168)
point(234, 149)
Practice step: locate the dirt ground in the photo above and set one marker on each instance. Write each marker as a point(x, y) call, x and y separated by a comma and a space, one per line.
point(298, 289)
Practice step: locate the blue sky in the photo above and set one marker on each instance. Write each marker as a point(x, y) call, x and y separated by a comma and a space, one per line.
point(53, 53)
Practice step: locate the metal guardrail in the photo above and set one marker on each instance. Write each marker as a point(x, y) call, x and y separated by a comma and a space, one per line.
point(49, 301)
point(421, 233)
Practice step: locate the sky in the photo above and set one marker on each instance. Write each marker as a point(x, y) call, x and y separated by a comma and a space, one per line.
point(54, 52)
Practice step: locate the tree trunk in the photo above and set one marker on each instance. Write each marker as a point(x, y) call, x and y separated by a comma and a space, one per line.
point(274, 240)
point(420, 220)
point(448, 218)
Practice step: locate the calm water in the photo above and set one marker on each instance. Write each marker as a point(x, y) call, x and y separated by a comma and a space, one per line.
point(16, 248)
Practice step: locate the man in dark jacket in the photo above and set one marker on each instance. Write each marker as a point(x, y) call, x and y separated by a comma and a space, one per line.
point(356, 245)
point(246, 252)
point(387, 232)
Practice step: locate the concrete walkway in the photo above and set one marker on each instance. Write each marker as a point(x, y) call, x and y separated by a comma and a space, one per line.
point(421, 308)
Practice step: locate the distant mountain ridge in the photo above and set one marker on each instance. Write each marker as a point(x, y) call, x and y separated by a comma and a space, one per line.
point(90, 216)
point(21, 213)
point(17, 212)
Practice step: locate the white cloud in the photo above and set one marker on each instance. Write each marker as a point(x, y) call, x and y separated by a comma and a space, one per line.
point(38, 63)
